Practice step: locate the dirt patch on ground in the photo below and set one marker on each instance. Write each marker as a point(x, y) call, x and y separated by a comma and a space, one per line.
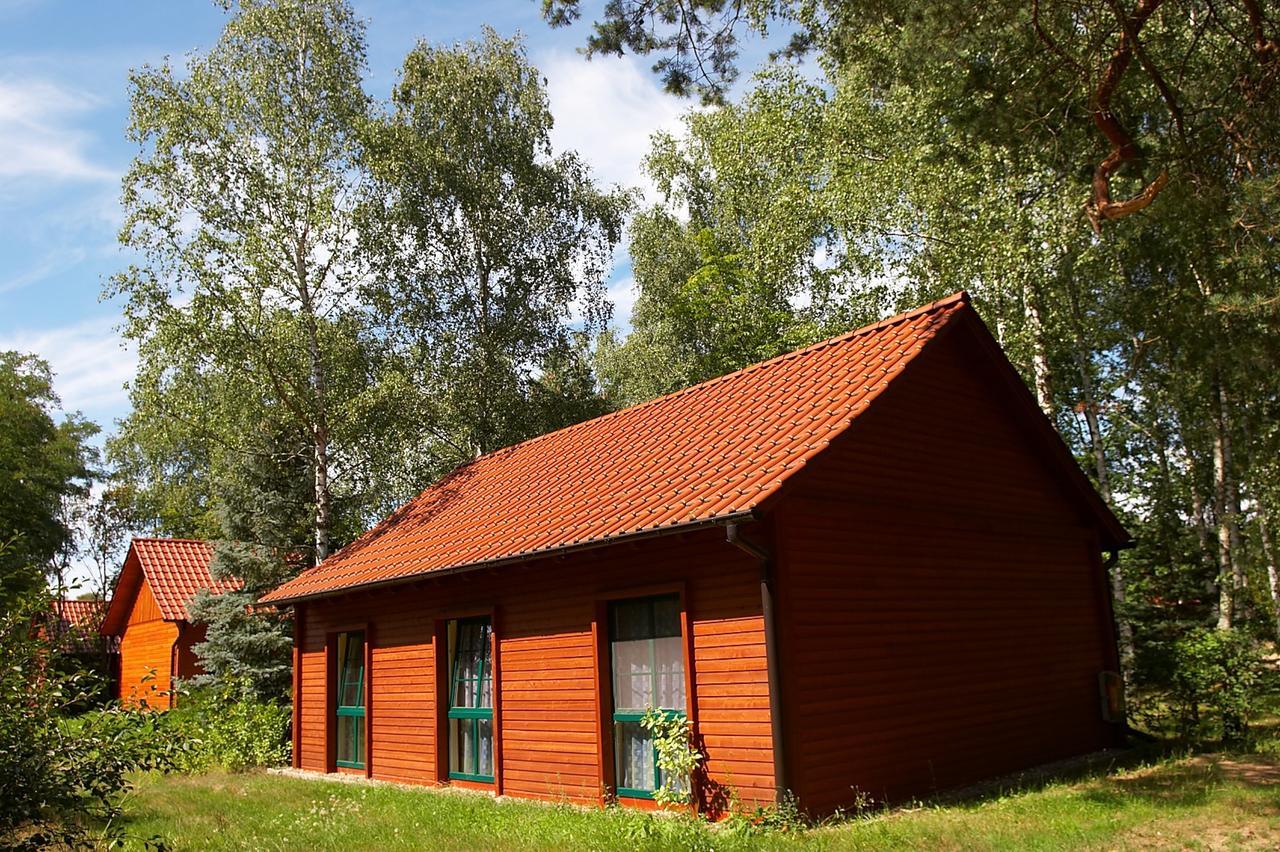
point(1252, 771)
point(1251, 834)
point(1245, 822)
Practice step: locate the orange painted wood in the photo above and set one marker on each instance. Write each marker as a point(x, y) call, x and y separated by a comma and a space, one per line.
point(550, 725)
point(147, 647)
point(942, 618)
point(298, 634)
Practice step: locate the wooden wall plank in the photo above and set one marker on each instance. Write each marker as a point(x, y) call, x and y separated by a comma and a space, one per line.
point(146, 646)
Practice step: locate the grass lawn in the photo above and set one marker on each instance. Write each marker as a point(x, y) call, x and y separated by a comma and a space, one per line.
point(1205, 802)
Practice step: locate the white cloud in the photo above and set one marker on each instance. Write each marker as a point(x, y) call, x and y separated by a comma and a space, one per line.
point(606, 109)
point(38, 138)
point(91, 362)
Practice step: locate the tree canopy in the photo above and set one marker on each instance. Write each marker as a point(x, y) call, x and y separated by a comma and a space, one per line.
point(45, 466)
point(336, 300)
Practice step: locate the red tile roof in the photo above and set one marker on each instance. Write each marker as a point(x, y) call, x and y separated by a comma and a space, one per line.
point(82, 614)
point(709, 453)
point(175, 569)
point(73, 624)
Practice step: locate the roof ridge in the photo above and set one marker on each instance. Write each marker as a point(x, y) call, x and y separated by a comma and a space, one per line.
point(163, 538)
point(959, 297)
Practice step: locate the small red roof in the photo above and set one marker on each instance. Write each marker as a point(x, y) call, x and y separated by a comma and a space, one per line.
point(175, 569)
point(73, 625)
point(707, 454)
point(81, 614)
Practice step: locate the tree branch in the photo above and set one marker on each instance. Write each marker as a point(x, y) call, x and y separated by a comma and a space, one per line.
point(1265, 48)
point(1123, 148)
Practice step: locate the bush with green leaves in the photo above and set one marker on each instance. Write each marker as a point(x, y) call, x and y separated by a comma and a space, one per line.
point(226, 725)
point(1199, 685)
point(676, 756)
point(1219, 671)
point(60, 777)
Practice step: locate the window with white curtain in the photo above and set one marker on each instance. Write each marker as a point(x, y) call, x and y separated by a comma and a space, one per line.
point(647, 660)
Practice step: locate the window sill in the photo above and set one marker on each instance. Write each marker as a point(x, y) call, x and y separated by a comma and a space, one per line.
point(629, 793)
point(471, 779)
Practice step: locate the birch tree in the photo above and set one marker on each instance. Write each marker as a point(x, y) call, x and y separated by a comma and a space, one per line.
point(240, 209)
point(487, 242)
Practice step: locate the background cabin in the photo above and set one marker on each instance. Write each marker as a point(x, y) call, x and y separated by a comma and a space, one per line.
point(149, 618)
point(867, 568)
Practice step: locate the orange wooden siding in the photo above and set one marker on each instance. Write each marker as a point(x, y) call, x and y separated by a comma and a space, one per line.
point(944, 611)
point(548, 714)
point(146, 644)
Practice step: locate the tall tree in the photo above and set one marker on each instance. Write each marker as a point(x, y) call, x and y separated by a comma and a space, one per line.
point(754, 247)
point(488, 241)
point(1159, 84)
point(45, 466)
point(942, 152)
point(241, 207)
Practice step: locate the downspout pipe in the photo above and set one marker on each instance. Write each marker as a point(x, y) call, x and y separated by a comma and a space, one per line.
point(733, 536)
point(1113, 555)
point(1108, 566)
point(173, 666)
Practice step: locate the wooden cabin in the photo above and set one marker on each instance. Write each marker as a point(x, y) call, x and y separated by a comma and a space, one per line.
point(867, 568)
point(73, 627)
point(150, 619)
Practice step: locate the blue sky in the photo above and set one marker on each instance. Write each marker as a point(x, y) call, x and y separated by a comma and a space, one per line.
point(63, 112)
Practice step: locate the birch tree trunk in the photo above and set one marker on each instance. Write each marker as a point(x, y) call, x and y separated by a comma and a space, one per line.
point(1039, 354)
point(324, 493)
point(1123, 626)
point(1273, 571)
point(319, 427)
point(1226, 512)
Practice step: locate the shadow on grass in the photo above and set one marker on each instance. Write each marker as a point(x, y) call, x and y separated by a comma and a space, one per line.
point(1191, 782)
point(1159, 771)
point(1097, 766)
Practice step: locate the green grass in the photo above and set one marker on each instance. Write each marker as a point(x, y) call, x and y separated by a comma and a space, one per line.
point(1207, 802)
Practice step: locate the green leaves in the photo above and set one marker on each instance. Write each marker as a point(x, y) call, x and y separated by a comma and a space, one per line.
point(44, 466)
point(677, 759)
point(241, 206)
point(487, 244)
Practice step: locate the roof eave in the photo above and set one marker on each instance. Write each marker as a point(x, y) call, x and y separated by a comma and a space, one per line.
point(753, 514)
point(113, 619)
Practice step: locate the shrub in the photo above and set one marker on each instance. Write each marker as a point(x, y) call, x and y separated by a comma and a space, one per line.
point(59, 776)
point(677, 758)
point(783, 816)
point(1220, 671)
point(226, 726)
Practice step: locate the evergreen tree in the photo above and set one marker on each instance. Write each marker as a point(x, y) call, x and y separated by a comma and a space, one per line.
point(264, 512)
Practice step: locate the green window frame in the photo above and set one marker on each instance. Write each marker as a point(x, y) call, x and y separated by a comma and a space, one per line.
point(646, 659)
point(349, 714)
point(470, 716)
